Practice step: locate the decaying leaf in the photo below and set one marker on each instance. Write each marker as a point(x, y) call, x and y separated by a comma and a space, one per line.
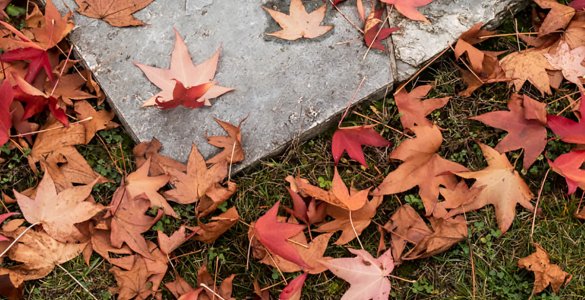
point(405, 225)
point(158, 162)
point(545, 273)
point(211, 231)
point(557, 18)
point(298, 23)
point(569, 61)
point(528, 65)
point(100, 120)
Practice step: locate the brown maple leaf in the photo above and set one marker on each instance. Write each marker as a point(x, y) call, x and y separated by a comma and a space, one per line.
point(465, 44)
point(525, 124)
point(158, 162)
point(233, 151)
point(55, 138)
point(179, 287)
point(68, 88)
point(501, 186)
point(189, 187)
point(53, 27)
point(569, 62)
point(183, 70)
point(139, 182)
point(48, 209)
point(211, 231)
point(412, 110)
point(169, 244)
point(545, 273)
point(405, 225)
point(116, 13)
point(133, 283)
point(528, 65)
point(360, 220)
point(121, 256)
point(557, 18)
point(67, 166)
point(421, 167)
point(339, 195)
point(446, 233)
point(298, 23)
point(100, 120)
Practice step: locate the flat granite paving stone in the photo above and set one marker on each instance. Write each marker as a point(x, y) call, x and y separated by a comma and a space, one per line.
point(285, 89)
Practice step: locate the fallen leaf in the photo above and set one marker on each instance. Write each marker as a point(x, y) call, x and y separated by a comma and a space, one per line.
point(211, 231)
point(204, 278)
point(187, 97)
point(574, 34)
point(525, 123)
point(298, 23)
point(351, 139)
point(421, 167)
point(528, 65)
point(184, 71)
point(412, 110)
point(100, 120)
point(308, 211)
point(189, 187)
point(116, 13)
point(68, 167)
point(54, 29)
point(138, 182)
point(465, 44)
point(339, 195)
point(569, 62)
point(133, 283)
point(169, 244)
point(405, 225)
point(179, 287)
point(38, 60)
point(545, 273)
point(36, 101)
point(129, 221)
point(273, 235)
point(3, 218)
point(6, 98)
point(568, 165)
point(294, 288)
point(68, 88)
point(557, 18)
point(55, 137)
point(408, 8)
point(446, 233)
point(159, 163)
point(121, 256)
point(577, 4)
point(373, 35)
point(47, 209)
point(361, 219)
point(233, 151)
point(501, 186)
point(568, 130)
point(365, 274)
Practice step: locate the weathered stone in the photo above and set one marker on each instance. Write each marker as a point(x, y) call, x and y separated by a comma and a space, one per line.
point(285, 89)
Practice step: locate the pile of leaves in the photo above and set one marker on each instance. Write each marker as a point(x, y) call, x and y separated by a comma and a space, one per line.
point(41, 83)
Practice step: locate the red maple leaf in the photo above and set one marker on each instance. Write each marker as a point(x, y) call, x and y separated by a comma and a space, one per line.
point(568, 130)
point(568, 165)
point(351, 139)
point(6, 98)
point(186, 96)
point(274, 235)
point(577, 4)
point(525, 126)
point(38, 59)
point(373, 35)
point(36, 101)
point(408, 8)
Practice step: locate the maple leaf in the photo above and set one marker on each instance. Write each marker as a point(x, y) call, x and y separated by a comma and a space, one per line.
point(360, 220)
point(36, 101)
point(3, 218)
point(101, 244)
point(68, 88)
point(211, 291)
point(501, 186)
point(408, 8)
point(421, 167)
point(557, 18)
point(569, 62)
point(299, 24)
point(54, 137)
point(293, 289)
point(211, 231)
point(169, 244)
point(365, 274)
point(159, 163)
point(22, 125)
point(116, 13)
point(179, 287)
point(139, 182)
point(465, 44)
point(67, 166)
point(6, 98)
point(308, 211)
point(525, 123)
point(545, 273)
point(129, 221)
point(47, 209)
point(100, 120)
point(373, 35)
point(186, 97)
point(233, 151)
point(54, 29)
point(412, 110)
point(184, 71)
point(568, 130)
point(405, 225)
point(568, 165)
point(134, 282)
point(446, 233)
point(528, 65)
point(351, 139)
point(189, 187)
point(577, 4)
point(273, 235)
point(38, 60)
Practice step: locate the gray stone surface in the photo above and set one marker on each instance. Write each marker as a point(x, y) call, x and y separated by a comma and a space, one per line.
point(286, 89)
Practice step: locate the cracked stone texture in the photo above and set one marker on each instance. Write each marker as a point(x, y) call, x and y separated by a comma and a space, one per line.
point(286, 90)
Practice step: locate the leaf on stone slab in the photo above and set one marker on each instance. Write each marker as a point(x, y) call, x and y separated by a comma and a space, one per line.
point(48, 209)
point(545, 273)
point(231, 144)
point(373, 35)
point(408, 8)
point(298, 23)
point(365, 274)
point(116, 13)
point(191, 97)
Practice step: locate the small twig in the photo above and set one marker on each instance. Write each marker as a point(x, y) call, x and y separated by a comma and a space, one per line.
point(297, 243)
point(18, 237)
point(231, 161)
point(61, 73)
point(402, 279)
point(172, 265)
point(346, 18)
point(271, 286)
point(110, 154)
point(203, 285)
point(350, 101)
point(51, 129)
point(468, 67)
point(518, 158)
point(215, 276)
point(377, 33)
point(77, 281)
point(187, 254)
point(505, 34)
point(355, 231)
point(473, 280)
point(517, 33)
point(536, 205)
point(249, 251)
point(422, 69)
point(385, 125)
point(276, 266)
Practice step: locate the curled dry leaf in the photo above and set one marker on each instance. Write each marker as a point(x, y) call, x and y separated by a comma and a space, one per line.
point(298, 23)
point(308, 211)
point(116, 13)
point(545, 273)
point(209, 232)
point(405, 225)
point(501, 186)
point(48, 209)
point(446, 233)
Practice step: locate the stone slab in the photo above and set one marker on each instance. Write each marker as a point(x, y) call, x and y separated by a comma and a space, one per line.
point(285, 89)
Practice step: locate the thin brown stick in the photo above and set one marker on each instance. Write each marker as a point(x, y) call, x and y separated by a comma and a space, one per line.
point(61, 73)
point(402, 279)
point(377, 33)
point(345, 17)
point(380, 123)
point(231, 161)
point(355, 231)
point(468, 67)
point(18, 237)
point(517, 33)
point(350, 101)
point(77, 281)
point(422, 69)
point(505, 34)
point(536, 205)
point(51, 129)
point(187, 254)
point(297, 243)
point(215, 276)
point(277, 268)
point(203, 285)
